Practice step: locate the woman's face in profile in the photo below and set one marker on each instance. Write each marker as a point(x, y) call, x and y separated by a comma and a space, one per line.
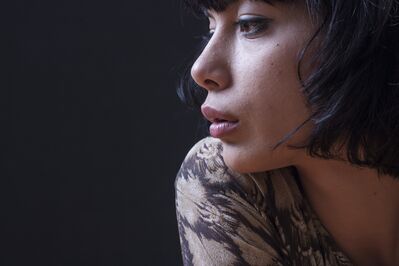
point(249, 68)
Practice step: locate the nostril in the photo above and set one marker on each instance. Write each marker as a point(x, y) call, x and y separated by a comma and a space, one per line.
point(211, 83)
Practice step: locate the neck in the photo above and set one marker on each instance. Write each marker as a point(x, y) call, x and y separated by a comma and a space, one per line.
point(359, 208)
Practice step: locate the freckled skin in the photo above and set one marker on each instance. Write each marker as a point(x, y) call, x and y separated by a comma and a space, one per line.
point(256, 80)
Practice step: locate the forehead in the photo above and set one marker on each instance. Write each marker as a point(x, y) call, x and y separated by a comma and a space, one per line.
point(200, 6)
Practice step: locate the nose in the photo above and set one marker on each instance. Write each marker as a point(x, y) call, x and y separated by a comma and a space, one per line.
point(211, 70)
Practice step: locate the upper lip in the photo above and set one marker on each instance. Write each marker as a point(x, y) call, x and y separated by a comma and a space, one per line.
point(213, 115)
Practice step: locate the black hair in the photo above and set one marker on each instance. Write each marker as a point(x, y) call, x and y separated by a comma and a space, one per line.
point(353, 92)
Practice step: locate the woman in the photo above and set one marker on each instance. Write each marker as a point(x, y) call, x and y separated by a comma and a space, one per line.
point(303, 160)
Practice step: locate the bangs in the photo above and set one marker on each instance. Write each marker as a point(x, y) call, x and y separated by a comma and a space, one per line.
point(201, 6)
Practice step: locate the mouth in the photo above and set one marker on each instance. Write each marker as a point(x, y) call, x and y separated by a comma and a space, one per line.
point(215, 116)
point(222, 123)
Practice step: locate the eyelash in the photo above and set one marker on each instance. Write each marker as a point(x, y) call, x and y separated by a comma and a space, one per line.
point(253, 26)
point(258, 25)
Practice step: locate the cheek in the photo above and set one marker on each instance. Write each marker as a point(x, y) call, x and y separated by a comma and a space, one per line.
point(272, 71)
point(276, 97)
point(270, 94)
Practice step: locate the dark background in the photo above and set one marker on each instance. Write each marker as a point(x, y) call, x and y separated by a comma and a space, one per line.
point(93, 132)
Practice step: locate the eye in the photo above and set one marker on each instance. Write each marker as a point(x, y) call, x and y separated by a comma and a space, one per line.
point(252, 25)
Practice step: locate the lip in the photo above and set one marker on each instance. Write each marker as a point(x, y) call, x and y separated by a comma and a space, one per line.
point(222, 123)
point(213, 115)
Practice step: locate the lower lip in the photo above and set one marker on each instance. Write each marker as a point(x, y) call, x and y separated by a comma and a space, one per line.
point(219, 129)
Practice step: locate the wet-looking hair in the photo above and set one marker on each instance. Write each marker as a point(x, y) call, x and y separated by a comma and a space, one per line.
point(353, 93)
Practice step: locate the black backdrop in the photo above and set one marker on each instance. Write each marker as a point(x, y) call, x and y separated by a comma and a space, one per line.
point(93, 132)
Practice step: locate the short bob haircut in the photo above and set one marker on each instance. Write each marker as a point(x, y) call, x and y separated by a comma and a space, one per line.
point(353, 93)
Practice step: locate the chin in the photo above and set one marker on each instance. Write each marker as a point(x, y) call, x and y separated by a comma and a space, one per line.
point(245, 160)
point(237, 167)
point(238, 161)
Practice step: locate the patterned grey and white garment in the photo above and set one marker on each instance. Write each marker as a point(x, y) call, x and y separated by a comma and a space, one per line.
point(227, 218)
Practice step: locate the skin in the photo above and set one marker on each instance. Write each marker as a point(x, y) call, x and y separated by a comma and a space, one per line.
point(252, 76)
